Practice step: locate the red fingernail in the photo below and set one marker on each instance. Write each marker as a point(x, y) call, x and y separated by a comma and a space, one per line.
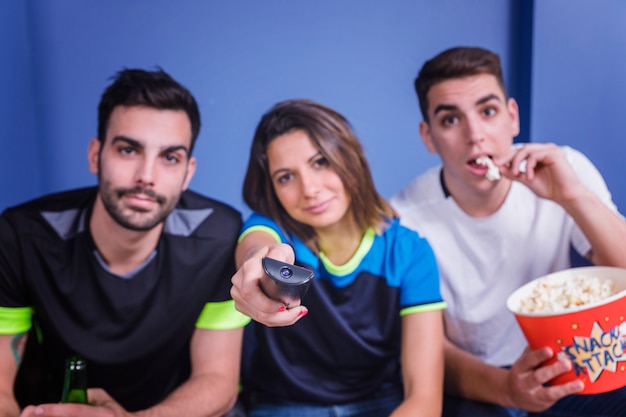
point(303, 313)
point(281, 309)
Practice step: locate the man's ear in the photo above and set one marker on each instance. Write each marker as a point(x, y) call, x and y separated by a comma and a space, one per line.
point(191, 169)
point(513, 110)
point(93, 155)
point(426, 137)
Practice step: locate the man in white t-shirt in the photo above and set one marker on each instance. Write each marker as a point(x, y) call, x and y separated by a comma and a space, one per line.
point(491, 236)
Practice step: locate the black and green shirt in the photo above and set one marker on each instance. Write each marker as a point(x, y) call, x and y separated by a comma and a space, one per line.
point(134, 330)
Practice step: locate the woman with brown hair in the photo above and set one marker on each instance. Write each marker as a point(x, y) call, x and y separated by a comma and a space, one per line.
point(372, 344)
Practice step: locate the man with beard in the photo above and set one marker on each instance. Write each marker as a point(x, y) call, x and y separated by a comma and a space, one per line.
point(133, 275)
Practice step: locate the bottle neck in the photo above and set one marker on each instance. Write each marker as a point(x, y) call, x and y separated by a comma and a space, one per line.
point(75, 383)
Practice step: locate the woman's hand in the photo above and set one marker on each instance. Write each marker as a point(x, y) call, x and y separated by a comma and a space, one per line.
point(248, 296)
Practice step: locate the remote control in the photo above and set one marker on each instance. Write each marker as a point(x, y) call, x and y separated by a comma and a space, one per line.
point(285, 282)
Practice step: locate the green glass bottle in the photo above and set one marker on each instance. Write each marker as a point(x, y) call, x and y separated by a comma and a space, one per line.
point(75, 383)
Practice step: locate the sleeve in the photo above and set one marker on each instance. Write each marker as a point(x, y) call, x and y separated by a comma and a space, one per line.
point(15, 313)
point(592, 179)
point(221, 316)
point(257, 221)
point(419, 273)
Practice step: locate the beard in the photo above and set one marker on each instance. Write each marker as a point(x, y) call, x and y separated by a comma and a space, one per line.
point(135, 218)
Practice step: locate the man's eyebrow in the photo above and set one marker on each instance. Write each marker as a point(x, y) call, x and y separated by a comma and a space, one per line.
point(452, 107)
point(128, 140)
point(445, 107)
point(175, 148)
point(135, 143)
point(487, 98)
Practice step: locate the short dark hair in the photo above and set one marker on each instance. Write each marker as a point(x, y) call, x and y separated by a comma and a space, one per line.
point(333, 135)
point(454, 63)
point(154, 89)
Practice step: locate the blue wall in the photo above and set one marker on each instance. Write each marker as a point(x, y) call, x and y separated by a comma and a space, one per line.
point(240, 57)
point(579, 82)
point(20, 164)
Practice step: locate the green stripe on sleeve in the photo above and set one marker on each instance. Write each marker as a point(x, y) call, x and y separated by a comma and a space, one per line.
point(15, 320)
point(221, 316)
point(424, 307)
point(260, 228)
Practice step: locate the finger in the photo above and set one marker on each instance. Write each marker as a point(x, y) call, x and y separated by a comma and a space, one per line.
point(548, 372)
point(556, 392)
point(546, 396)
point(28, 411)
point(250, 291)
point(250, 299)
point(536, 156)
point(243, 306)
point(283, 318)
point(531, 165)
point(70, 410)
point(281, 252)
point(98, 396)
point(513, 162)
point(531, 359)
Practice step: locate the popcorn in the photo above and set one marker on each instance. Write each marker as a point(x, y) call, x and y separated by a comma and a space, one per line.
point(493, 173)
point(554, 296)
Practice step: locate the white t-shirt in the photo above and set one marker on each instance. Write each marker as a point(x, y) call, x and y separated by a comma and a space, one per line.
point(483, 260)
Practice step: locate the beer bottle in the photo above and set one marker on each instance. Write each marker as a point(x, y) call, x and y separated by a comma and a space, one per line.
point(75, 383)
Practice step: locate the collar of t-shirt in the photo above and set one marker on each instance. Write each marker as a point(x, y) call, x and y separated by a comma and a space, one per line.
point(444, 188)
point(127, 275)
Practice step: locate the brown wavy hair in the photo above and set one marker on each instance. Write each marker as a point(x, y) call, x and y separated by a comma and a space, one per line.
point(333, 135)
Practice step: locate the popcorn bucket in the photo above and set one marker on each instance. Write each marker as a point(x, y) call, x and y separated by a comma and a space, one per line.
point(592, 335)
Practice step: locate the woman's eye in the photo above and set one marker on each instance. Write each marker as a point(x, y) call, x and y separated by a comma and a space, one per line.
point(284, 178)
point(321, 162)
